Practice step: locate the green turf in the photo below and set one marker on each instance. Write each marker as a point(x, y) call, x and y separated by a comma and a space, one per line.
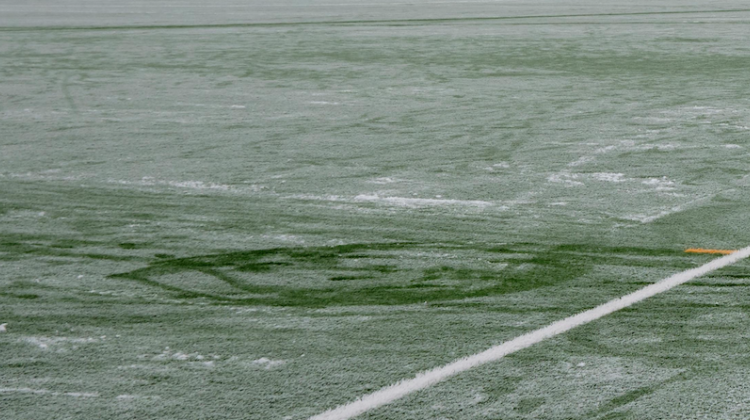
point(256, 211)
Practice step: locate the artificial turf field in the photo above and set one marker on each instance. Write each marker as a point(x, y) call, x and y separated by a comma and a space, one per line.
point(262, 211)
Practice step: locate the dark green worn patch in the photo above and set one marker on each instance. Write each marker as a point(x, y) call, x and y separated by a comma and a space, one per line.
point(25, 285)
point(497, 389)
point(20, 295)
point(528, 405)
point(718, 284)
point(26, 296)
point(389, 283)
point(135, 245)
point(343, 278)
point(23, 364)
point(15, 245)
point(407, 273)
point(72, 243)
point(261, 267)
point(607, 409)
point(586, 340)
point(616, 415)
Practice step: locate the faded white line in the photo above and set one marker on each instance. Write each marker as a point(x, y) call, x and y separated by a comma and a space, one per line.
point(420, 202)
point(673, 210)
point(48, 392)
point(428, 378)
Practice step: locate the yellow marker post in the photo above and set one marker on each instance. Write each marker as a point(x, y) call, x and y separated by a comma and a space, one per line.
point(710, 251)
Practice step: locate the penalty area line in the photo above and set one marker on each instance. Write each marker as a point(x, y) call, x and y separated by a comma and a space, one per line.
point(431, 377)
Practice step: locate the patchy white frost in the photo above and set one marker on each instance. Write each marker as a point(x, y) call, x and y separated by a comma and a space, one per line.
point(661, 184)
point(582, 161)
point(609, 177)
point(268, 363)
point(565, 178)
point(82, 394)
point(47, 342)
point(167, 354)
point(130, 397)
point(48, 392)
point(660, 147)
point(285, 238)
point(420, 202)
point(148, 181)
point(478, 398)
point(383, 180)
point(198, 185)
point(651, 218)
point(397, 201)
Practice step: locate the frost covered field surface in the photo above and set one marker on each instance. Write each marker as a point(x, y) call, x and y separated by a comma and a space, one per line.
point(253, 211)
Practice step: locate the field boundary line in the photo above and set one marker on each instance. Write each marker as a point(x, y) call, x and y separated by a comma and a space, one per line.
point(431, 377)
point(355, 22)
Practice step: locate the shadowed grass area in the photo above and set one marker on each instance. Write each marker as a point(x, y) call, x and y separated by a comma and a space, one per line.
point(380, 273)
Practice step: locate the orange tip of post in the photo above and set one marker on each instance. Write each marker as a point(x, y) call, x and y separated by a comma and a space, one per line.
point(710, 251)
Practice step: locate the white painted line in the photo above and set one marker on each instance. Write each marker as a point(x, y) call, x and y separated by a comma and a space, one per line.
point(431, 377)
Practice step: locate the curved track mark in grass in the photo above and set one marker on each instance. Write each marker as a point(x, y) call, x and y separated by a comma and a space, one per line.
point(14, 246)
point(426, 379)
point(636, 394)
point(360, 274)
point(392, 273)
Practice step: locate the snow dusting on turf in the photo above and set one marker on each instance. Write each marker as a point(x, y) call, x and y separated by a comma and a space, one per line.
point(167, 355)
point(131, 397)
point(420, 202)
point(268, 363)
point(49, 342)
point(395, 201)
point(567, 179)
point(609, 177)
point(48, 392)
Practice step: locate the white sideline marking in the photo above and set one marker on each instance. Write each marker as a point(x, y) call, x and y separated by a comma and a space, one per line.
point(431, 377)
